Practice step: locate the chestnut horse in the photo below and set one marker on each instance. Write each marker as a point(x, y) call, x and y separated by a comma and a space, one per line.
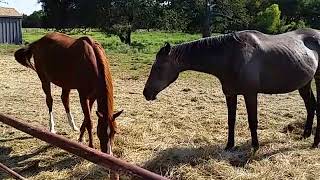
point(75, 64)
point(247, 63)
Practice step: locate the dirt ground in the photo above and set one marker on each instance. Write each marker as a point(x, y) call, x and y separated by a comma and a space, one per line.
point(181, 135)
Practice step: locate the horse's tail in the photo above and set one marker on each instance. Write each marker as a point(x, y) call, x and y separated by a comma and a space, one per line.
point(23, 56)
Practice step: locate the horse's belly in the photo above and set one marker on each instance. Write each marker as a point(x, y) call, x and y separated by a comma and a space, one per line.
point(284, 80)
point(73, 81)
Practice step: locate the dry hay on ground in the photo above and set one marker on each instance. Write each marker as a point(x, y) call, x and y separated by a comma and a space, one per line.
point(181, 135)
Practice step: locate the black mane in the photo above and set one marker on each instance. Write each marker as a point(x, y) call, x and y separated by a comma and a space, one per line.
point(212, 43)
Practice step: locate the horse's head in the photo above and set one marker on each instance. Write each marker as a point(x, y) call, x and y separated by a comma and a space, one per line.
point(106, 130)
point(164, 71)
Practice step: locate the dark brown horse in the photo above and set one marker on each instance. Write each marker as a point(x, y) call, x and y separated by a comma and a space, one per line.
point(247, 63)
point(75, 64)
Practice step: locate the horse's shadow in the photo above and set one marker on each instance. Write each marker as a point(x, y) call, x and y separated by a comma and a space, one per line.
point(240, 156)
point(16, 138)
point(28, 166)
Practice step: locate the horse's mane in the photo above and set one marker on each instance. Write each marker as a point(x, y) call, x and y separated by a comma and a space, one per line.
point(178, 51)
point(107, 78)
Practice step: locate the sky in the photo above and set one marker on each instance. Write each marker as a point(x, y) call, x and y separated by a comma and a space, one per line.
point(22, 6)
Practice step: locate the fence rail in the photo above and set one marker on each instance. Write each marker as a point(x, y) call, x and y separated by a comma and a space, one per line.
point(11, 172)
point(90, 154)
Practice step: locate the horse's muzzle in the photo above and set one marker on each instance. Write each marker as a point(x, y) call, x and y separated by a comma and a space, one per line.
point(149, 94)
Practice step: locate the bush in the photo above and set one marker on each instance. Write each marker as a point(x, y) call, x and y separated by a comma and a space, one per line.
point(291, 26)
point(269, 20)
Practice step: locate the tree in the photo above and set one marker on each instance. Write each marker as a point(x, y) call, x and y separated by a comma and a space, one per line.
point(34, 20)
point(60, 14)
point(311, 12)
point(269, 20)
point(122, 17)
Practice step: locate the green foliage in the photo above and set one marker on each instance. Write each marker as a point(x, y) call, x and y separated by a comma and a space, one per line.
point(230, 15)
point(269, 20)
point(311, 12)
point(34, 20)
point(285, 27)
point(123, 17)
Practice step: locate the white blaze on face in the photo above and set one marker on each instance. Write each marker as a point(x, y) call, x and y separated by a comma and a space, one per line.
point(51, 123)
point(71, 122)
point(109, 148)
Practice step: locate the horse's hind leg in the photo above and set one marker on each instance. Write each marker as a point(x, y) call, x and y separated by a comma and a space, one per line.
point(65, 102)
point(310, 103)
point(317, 136)
point(47, 90)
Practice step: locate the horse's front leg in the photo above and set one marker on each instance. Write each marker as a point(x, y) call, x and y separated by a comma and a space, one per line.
point(232, 109)
point(251, 105)
point(87, 123)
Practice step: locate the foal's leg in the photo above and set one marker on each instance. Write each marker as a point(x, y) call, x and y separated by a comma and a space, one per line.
point(232, 108)
point(310, 103)
point(251, 104)
point(84, 123)
point(47, 90)
point(87, 123)
point(65, 102)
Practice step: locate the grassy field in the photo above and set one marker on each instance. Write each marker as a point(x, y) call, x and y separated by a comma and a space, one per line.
point(181, 135)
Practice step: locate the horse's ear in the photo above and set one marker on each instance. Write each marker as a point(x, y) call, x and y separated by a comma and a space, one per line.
point(167, 48)
point(99, 114)
point(117, 114)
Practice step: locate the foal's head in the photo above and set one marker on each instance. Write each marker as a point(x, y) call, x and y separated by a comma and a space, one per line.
point(106, 130)
point(164, 71)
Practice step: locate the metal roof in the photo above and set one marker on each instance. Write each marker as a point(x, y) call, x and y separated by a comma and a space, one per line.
point(9, 12)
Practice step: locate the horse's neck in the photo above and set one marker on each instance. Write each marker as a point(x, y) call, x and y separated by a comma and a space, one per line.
point(206, 61)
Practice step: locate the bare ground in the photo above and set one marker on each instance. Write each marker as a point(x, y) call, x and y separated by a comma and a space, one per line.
point(181, 135)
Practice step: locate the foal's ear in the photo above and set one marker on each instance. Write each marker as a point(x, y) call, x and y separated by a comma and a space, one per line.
point(117, 114)
point(99, 114)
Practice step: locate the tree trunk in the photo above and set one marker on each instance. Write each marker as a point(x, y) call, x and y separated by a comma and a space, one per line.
point(205, 30)
point(126, 37)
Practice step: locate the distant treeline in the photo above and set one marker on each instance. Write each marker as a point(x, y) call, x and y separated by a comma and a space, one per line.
point(121, 17)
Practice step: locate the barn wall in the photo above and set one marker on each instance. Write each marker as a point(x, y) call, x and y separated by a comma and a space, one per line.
point(10, 30)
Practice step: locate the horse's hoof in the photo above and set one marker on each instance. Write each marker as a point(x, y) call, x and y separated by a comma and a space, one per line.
point(75, 129)
point(255, 149)
point(306, 134)
point(53, 131)
point(229, 147)
point(315, 145)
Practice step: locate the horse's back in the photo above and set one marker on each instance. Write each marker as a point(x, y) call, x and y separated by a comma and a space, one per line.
point(67, 62)
point(278, 63)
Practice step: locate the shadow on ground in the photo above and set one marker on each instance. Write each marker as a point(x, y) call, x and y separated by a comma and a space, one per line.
point(240, 156)
point(30, 164)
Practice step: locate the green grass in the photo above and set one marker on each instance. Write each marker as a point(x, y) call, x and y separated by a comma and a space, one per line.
point(143, 42)
point(137, 58)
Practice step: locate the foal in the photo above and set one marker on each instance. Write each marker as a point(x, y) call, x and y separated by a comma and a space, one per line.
point(75, 64)
point(247, 63)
